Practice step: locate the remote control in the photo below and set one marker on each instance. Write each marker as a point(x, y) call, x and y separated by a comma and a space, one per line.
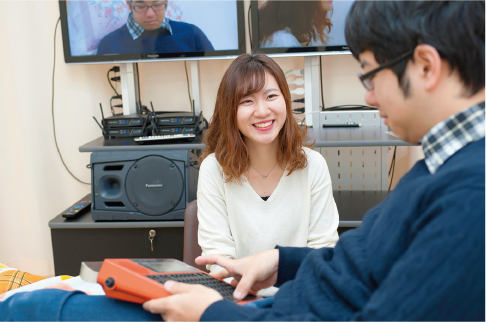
point(76, 209)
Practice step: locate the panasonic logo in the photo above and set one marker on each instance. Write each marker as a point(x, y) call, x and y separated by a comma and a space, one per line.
point(155, 185)
point(152, 56)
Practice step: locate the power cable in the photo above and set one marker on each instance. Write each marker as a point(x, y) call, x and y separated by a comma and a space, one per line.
point(138, 84)
point(109, 80)
point(351, 107)
point(392, 168)
point(249, 27)
point(188, 89)
point(321, 89)
point(52, 105)
point(114, 69)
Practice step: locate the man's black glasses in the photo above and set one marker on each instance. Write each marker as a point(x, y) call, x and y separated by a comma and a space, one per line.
point(141, 8)
point(366, 78)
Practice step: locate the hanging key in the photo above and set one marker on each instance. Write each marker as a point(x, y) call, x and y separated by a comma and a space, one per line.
point(151, 238)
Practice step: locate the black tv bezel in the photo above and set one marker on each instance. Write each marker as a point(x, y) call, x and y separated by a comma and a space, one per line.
point(135, 58)
point(287, 51)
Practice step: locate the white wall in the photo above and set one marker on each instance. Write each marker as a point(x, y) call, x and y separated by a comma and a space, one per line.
point(35, 186)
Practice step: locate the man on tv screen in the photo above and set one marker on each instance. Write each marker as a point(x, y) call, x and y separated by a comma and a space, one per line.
point(148, 31)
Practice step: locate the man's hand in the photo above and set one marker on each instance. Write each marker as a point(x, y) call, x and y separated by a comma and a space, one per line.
point(187, 303)
point(254, 272)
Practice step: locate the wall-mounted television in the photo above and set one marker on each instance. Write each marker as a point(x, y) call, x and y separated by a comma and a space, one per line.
point(129, 31)
point(299, 28)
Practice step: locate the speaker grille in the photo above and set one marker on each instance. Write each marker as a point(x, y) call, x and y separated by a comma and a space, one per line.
point(154, 185)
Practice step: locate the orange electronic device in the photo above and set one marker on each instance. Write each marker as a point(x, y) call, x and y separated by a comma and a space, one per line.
point(140, 280)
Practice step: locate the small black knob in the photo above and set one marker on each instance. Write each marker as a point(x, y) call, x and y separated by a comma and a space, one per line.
point(110, 282)
point(172, 204)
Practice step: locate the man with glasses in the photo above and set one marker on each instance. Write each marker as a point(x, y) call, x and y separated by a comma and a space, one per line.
point(148, 30)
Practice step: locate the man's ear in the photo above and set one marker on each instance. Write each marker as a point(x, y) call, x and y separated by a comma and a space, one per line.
point(129, 5)
point(429, 65)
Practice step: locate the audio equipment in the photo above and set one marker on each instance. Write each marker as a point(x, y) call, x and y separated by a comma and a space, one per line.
point(125, 132)
point(121, 121)
point(133, 125)
point(179, 128)
point(173, 123)
point(143, 185)
point(172, 119)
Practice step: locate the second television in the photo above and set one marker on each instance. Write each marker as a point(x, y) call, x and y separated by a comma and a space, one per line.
point(282, 27)
point(146, 30)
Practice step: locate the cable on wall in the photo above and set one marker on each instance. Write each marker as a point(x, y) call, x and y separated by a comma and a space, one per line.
point(140, 106)
point(188, 89)
point(321, 89)
point(351, 107)
point(249, 27)
point(138, 84)
point(115, 95)
point(392, 167)
point(191, 101)
point(52, 106)
point(109, 80)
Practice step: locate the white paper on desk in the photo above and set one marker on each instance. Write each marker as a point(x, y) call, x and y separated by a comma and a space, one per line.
point(391, 133)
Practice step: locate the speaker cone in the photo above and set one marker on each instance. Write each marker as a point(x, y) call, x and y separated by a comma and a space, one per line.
point(109, 187)
point(154, 185)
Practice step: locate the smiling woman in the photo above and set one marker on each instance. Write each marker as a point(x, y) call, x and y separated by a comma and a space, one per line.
point(260, 183)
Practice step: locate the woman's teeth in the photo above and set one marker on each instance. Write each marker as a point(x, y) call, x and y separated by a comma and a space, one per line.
point(262, 125)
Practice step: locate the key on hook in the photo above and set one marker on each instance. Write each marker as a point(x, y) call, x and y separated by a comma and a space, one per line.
point(151, 238)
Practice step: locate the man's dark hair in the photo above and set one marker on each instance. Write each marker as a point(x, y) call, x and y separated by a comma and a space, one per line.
point(390, 28)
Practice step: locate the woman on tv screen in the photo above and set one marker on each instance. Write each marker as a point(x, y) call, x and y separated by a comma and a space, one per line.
point(294, 23)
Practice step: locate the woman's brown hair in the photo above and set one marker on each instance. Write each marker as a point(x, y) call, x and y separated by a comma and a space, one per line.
point(307, 20)
point(246, 76)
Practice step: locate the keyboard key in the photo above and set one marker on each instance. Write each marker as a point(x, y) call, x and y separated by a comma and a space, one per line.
point(226, 290)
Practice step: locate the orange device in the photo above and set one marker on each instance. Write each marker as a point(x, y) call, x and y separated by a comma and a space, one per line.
point(140, 280)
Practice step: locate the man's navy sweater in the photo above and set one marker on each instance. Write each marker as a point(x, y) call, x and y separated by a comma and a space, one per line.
point(185, 37)
point(419, 255)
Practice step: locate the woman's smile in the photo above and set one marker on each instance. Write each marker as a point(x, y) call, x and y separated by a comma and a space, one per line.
point(264, 126)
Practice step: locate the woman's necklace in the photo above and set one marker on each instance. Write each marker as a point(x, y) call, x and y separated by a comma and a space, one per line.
point(264, 176)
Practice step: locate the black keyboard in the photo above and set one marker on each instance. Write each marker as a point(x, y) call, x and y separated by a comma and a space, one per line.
point(226, 290)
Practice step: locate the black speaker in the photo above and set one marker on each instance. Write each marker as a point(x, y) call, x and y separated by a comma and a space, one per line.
point(143, 185)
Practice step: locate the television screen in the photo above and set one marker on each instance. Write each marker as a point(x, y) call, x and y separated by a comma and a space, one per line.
point(299, 27)
point(138, 30)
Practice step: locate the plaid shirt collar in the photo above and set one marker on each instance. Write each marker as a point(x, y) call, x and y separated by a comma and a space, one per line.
point(451, 135)
point(136, 31)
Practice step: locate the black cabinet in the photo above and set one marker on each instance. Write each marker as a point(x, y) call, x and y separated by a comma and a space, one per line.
point(73, 246)
point(82, 239)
